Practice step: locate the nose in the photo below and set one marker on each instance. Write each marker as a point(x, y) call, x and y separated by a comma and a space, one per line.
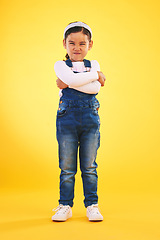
point(77, 47)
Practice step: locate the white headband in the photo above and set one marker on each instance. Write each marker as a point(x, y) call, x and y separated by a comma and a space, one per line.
point(78, 24)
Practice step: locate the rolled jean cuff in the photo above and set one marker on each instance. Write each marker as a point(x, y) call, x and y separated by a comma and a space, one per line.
point(87, 204)
point(63, 202)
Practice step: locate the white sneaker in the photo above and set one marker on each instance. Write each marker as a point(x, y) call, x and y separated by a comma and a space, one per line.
point(63, 213)
point(93, 213)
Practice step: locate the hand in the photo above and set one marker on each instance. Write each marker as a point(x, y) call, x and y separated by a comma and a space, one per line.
point(102, 78)
point(61, 84)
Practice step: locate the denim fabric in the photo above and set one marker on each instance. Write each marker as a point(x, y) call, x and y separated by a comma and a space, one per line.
point(78, 126)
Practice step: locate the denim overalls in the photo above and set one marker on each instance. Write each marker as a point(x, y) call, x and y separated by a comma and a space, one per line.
point(78, 126)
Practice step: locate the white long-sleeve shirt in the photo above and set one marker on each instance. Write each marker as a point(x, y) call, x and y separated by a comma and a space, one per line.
point(83, 81)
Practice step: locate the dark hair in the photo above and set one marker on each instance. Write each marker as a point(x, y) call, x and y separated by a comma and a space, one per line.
point(74, 30)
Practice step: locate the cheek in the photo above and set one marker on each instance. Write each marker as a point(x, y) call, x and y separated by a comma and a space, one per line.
point(68, 49)
point(86, 50)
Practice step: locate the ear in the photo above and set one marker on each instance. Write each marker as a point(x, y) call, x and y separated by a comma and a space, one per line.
point(64, 43)
point(90, 45)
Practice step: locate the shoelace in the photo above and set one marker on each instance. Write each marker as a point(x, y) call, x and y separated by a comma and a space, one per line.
point(61, 208)
point(57, 208)
point(94, 209)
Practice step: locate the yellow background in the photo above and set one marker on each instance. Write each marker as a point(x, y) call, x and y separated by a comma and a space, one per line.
point(126, 44)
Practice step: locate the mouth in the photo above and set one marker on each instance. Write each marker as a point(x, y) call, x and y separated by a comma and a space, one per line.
point(76, 53)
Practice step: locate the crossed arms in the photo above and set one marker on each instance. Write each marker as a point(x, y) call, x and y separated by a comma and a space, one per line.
point(88, 82)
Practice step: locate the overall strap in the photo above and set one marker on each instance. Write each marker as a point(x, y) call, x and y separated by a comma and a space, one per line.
point(75, 94)
point(87, 63)
point(69, 63)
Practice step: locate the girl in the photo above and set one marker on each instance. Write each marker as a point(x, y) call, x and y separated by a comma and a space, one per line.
point(78, 121)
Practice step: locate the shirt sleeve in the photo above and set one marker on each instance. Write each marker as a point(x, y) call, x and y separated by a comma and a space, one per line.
point(90, 88)
point(93, 87)
point(95, 66)
point(72, 79)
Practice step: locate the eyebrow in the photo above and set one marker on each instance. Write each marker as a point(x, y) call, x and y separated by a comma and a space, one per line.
point(73, 41)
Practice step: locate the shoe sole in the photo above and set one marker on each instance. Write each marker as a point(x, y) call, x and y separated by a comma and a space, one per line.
point(97, 220)
point(61, 219)
point(94, 219)
point(58, 220)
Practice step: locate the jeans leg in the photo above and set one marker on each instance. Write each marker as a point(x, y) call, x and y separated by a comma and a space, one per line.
point(68, 146)
point(89, 144)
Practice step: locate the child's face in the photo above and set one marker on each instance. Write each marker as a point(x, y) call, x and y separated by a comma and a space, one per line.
point(77, 46)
